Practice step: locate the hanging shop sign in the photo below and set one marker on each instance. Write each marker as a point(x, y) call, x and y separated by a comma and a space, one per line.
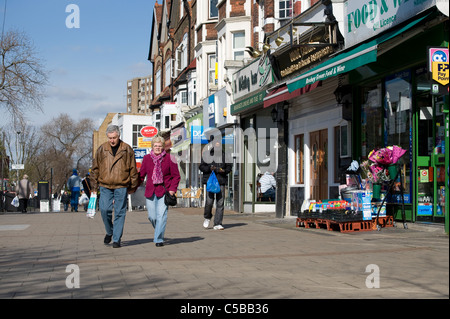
point(439, 68)
point(367, 18)
point(300, 58)
point(149, 131)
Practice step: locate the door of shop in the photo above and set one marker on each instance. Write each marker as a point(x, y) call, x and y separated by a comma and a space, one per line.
point(319, 164)
point(431, 159)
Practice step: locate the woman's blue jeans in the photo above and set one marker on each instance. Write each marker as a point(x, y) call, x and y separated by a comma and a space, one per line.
point(119, 196)
point(157, 215)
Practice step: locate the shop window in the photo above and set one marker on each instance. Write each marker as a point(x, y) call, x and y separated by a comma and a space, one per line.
point(371, 119)
point(299, 170)
point(345, 140)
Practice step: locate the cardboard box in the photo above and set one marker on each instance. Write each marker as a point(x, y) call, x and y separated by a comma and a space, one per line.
point(361, 202)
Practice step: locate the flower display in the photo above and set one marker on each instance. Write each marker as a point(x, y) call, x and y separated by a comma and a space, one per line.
point(375, 168)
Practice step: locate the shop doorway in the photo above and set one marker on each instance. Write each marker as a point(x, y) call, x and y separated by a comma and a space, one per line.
point(319, 164)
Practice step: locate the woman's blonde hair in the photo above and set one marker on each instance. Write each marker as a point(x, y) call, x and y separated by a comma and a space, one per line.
point(158, 139)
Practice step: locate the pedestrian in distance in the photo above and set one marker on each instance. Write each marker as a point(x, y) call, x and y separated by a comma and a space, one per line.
point(161, 171)
point(221, 169)
point(65, 200)
point(74, 185)
point(114, 173)
point(24, 189)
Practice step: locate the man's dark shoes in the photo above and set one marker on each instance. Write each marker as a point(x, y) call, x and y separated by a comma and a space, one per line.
point(159, 244)
point(107, 239)
point(116, 245)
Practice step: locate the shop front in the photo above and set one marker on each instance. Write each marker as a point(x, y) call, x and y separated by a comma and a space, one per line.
point(396, 106)
point(256, 149)
point(385, 82)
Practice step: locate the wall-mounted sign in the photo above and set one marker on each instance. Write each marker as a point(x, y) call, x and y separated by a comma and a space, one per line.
point(366, 18)
point(252, 77)
point(198, 136)
point(439, 68)
point(144, 142)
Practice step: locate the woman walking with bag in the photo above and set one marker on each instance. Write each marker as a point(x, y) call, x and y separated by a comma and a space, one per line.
point(162, 174)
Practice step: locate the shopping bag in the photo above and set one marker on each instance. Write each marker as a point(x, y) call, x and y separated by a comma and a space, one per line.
point(15, 201)
point(212, 185)
point(91, 206)
point(83, 200)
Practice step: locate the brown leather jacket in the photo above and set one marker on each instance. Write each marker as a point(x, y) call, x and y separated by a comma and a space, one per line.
point(114, 171)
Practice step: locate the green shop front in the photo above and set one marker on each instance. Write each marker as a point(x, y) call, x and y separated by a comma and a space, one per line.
point(394, 104)
point(386, 91)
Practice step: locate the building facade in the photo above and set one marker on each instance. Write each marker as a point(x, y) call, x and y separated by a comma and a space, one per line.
point(139, 95)
point(302, 89)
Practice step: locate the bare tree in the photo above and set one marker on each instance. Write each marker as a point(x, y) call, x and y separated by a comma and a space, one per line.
point(22, 75)
point(22, 142)
point(68, 145)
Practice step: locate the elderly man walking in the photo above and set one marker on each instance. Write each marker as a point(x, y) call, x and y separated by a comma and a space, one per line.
point(114, 173)
point(24, 189)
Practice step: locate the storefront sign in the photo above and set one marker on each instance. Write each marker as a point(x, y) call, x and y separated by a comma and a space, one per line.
point(144, 142)
point(248, 103)
point(198, 136)
point(139, 153)
point(367, 18)
point(211, 111)
point(252, 77)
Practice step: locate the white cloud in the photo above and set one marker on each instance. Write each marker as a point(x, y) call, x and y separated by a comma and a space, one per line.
point(71, 94)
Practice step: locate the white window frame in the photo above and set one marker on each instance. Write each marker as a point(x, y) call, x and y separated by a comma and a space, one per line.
point(240, 50)
point(211, 60)
point(158, 82)
point(210, 4)
point(167, 72)
point(285, 10)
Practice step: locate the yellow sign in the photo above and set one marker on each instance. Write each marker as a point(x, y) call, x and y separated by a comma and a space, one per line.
point(440, 72)
point(144, 142)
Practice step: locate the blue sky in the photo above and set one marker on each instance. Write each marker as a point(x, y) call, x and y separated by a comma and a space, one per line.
point(89, 66)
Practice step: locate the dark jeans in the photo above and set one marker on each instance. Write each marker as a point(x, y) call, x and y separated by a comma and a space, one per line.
point(269, 194)
point(218, 217)
point(23, 204)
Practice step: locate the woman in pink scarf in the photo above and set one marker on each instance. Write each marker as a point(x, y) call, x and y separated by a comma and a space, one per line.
point(162, 173)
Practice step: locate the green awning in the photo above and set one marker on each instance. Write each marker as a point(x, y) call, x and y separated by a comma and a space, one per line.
point(364, 54)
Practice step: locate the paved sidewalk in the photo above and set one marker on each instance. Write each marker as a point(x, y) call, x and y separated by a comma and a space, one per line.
point(256, 256)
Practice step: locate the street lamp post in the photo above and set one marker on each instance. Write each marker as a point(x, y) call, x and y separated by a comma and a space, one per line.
point(17, 155)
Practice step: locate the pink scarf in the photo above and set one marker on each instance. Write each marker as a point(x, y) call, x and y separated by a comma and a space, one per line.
point(157, 176)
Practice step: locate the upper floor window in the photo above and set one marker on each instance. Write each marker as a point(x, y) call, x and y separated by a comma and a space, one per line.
point(211, 68)
point(238, 45)
point(284, 9)
point(158, 83)
point(213, 11)
point(167, 72)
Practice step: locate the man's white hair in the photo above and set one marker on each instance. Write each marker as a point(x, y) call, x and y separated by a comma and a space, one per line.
point(112, 128)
